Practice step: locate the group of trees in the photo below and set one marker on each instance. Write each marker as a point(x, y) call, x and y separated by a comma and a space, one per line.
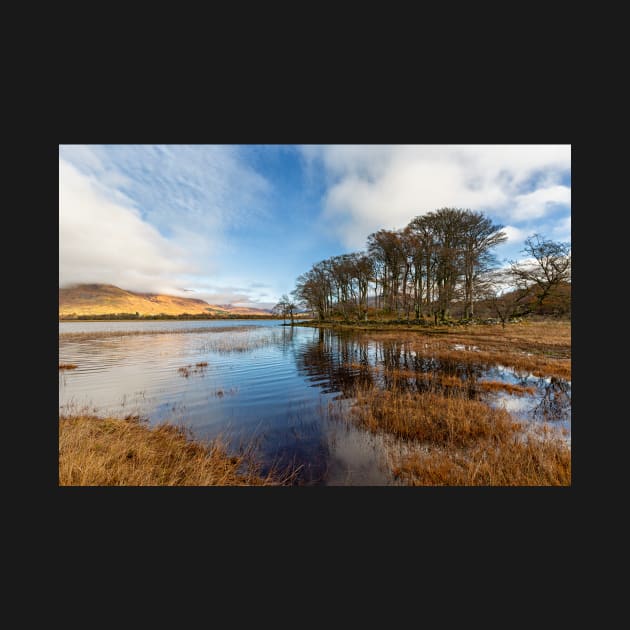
point(440, 259)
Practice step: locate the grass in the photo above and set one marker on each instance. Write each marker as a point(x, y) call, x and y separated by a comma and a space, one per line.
point(541, 348)
point(452, 440)
point(440, 381)
point(243, 340)
point(537, 460)
point(428, 417)
point(67, 366)
point(126, 452)
point(97, 334)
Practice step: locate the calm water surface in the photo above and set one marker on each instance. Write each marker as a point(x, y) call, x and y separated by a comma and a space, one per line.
point(264, 382)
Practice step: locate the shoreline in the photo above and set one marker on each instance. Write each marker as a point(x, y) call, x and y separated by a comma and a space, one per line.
point(109, 451)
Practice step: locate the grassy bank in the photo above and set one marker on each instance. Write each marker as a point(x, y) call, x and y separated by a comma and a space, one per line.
point(126, 452)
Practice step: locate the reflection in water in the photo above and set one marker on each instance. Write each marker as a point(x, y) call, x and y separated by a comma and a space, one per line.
point(276, 389)
point(555, 402)
point(337, 362)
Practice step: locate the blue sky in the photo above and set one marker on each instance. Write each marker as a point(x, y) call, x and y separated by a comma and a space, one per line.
point(238, 223)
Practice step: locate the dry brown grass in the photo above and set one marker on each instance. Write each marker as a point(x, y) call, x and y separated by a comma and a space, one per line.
point(499, 386)
point(441, 381)
point(549, 337)
point(539, 460)
point(429, 417)
point(126, 452)
point(457, 441)
point(540, 348)
point(67, 366)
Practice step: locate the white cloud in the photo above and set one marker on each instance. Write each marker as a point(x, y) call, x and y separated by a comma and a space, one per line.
point(103, 241)
point(562, 230)
point(514, 234)
point(154, 218)
point(535, 204)
point(370, 187)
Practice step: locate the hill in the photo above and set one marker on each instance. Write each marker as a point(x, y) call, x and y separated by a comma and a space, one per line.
point(107, 299)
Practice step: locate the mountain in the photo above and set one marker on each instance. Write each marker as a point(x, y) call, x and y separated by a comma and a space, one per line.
point(106, 299)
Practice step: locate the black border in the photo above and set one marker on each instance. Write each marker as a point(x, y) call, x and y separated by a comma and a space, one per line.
point(402, 521)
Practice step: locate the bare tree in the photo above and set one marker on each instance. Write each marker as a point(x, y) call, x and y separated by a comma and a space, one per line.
point(480, 235)
point(548, 264)
point(285, 307)
point(504, 300)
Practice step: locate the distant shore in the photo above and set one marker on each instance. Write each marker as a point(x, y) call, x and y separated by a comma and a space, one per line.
point(166, 318)
point(149, 318)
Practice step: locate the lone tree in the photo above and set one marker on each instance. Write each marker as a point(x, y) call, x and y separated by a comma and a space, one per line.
point(548, 265)
point(285, 307)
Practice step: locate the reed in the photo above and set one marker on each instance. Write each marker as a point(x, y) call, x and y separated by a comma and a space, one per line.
point(97, 451)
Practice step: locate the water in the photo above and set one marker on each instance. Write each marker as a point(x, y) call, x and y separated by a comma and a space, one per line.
point(265, 382)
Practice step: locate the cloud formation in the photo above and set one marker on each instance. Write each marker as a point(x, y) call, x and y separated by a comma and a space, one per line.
point(370, 187)
point(101, 240)
point(154, 218)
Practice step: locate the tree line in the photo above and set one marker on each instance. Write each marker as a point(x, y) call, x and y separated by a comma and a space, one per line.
point(440, 259)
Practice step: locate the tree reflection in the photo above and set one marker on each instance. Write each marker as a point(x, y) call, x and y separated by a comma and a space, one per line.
point(338, 362)
point(555, 403)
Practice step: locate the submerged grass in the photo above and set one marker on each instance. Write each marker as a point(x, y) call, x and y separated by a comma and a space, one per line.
point(539, 348)
point(440, 381)
point(98, 334)
point(126, 452)
point(243, 341)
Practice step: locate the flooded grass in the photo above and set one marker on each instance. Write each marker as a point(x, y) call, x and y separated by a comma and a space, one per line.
point(243, 340)
point(219, 393)
point(125, 452)
point(500, 386)
point(428, 417)
point(452, 440)
point(67, 366)
point(187, 370)
point(548, 337)
point(98, 334)
point(438, 380)
point(526, 350)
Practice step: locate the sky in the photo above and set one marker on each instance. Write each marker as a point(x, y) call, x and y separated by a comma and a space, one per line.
point(237, 224)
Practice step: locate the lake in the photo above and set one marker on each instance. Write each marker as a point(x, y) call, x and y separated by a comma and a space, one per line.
point(281, 387)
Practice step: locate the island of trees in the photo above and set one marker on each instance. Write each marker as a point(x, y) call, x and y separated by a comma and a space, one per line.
point(440, 267)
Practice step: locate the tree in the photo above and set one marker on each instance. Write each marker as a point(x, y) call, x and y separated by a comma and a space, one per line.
point(279, 309)
point(505, 301)
point(480, 235)
point(548, 264)
point(285, 307)
point(439, 258)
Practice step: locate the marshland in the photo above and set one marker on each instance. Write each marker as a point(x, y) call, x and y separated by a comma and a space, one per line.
point(314, 405)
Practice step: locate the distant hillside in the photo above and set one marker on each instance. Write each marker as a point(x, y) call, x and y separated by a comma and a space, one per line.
point(106, 299)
